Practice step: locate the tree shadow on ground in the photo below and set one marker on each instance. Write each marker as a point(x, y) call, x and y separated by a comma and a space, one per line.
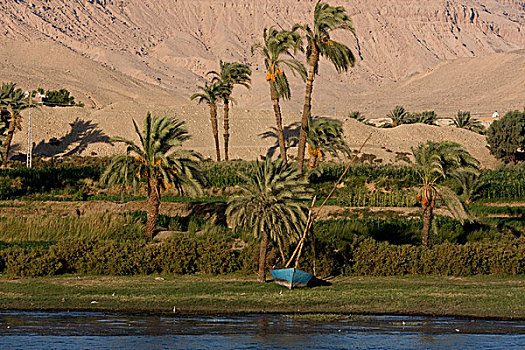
point(290, 132)
point(82, 134)
point(210, 211)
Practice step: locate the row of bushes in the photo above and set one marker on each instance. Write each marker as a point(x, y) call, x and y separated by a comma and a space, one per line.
point(392, 183)
point(189, 255)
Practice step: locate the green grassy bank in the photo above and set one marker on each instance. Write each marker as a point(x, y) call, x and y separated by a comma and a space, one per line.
point(480, 296)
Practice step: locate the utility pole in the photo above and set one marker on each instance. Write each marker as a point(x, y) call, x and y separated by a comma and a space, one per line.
point(29, 155)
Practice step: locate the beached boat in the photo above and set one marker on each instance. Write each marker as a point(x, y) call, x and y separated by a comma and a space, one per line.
point(291, 278)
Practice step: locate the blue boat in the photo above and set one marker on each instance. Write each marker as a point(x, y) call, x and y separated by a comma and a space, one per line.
point(291, 278)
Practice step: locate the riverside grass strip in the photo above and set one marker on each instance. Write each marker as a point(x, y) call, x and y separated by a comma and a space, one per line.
point(499, 297)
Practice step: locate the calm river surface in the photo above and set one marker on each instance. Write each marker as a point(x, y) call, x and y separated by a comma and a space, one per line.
point(89, 330)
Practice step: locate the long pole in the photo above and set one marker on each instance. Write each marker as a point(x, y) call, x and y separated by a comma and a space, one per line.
point(29, 141)
point(311, 215)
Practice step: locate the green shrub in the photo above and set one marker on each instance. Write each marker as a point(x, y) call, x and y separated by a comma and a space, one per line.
point(347, 255)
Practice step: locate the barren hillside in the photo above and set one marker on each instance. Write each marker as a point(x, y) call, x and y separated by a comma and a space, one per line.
point(122, 58)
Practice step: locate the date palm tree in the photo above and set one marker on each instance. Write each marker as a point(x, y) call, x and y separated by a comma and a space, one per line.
point(210, 94)
point(230, 74)
point(465, 121)
point(435, 161)
point(271, 206)
point(324, 136)
point(399, 115)
point(278, 51)
point(319, 44)
point(159, 160)
point(14, 100)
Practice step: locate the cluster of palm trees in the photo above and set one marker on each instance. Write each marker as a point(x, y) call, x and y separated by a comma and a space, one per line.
point(278, 50)
point(220, 88)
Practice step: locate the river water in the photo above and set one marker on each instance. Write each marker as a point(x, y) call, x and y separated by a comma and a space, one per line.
point(89, 330)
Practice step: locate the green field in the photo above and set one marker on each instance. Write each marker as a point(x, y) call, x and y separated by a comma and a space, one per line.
point(488, 296)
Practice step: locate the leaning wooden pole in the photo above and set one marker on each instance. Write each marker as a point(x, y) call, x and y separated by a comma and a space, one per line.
point(311, 215)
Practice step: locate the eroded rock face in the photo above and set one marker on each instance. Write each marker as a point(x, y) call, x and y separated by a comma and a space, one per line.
point(178, 41)
point(124, 58)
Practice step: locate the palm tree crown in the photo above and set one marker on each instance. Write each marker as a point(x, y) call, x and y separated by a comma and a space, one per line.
point(158, 160)
point(398, 115)
point(278, 51)
point(270, 205)
point(232, 73)
point(324, 136)
point(326, 19)
point(465, 121)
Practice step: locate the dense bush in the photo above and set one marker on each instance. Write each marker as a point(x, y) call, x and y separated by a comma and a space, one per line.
point(391, 185)
point(23, 181)
point(347, 255)
point(506, 137)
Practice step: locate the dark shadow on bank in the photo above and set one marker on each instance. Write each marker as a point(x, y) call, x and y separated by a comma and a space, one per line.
point(291, 136)
point(82, 134)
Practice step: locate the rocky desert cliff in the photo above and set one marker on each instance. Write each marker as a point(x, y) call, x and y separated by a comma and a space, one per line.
point(123, 57)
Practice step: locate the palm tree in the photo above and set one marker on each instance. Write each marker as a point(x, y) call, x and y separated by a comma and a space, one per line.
point(326, 19)
point(278, 50)
point(435, 161)
point(270, 206)
point(230, 74)
point(398, 116)
point(465, 121)
point(324, 136)
point(210, 94)
point(15, 101)
point(426, 117)
point(468, 180)
point(159, 161)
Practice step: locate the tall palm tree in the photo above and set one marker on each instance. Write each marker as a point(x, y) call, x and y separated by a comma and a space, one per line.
point(15, 101)
point(465, 121)
point(230, 74)
point(326, 19)
point(324, 136)
point(210, 94)
point(435, 161)
point(270, 206)
point(159, 161)
point(278, 51)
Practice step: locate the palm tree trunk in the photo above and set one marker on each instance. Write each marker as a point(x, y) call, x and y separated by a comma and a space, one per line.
point(152, 206)
point(279, 122)
point(427, 221)
point(215, 129)
point(261, 276)
point(9, 139)
point(226, 128)
point(307, 109)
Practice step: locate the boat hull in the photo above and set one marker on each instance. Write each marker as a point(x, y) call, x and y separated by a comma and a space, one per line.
point(291, 278)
